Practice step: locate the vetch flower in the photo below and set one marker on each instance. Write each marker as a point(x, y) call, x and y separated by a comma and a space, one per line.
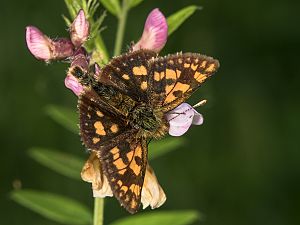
point(73, 84)
point(43, 48)
point(182, 117)
point(79, 30)
point(152, 193)
point(155, 32)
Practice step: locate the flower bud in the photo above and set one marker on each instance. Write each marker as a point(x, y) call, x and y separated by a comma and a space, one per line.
point(155, 32)
point(79, 29)
point(80, 59)
point(43, 48)
point(38, 43)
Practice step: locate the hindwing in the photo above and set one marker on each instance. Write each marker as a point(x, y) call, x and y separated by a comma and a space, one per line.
point(124, 163)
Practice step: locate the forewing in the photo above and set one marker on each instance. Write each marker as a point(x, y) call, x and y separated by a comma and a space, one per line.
point(99, 122)
point(124, 162)
point(129, 73)
point(175, 77)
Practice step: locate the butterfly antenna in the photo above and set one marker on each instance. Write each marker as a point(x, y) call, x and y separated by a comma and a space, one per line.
point(201, 103)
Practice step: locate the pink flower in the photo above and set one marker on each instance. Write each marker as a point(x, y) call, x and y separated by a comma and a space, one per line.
point(43, 48)
point(37, 43)
point(181, 118)
point(73, 84)
point(79, 29)
point(155, 32)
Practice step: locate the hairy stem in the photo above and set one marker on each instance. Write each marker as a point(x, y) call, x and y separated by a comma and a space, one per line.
point(98, 211)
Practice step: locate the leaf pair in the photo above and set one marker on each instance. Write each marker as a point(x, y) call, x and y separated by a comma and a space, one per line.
point(68, 211)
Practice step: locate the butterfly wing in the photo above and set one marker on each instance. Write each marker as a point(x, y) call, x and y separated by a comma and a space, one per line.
point(124, 163)
point(174, 78)
point(99, 121)
point(123, 156)
point(129, 73)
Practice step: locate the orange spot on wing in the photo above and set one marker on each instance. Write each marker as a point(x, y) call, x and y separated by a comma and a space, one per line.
point(114, 128)
point(203, 64)
point(135, 167)
point(135, 189)
point(139, 70)
point(124, 188)
point(129, 155)
point(159, 76)
point(96, 140)
point(100, 114)
point(211, 68)
point(178, 87)
point(119, 182)
point(125, 77)
point(144, 85)
point(114, 150)
point(171, 74)
point(119, 164)
point(194, 67)
point(99, 128)
point(200, 77)
point(186, 65)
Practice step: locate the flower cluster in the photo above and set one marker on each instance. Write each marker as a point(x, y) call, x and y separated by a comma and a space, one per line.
point(154, 37)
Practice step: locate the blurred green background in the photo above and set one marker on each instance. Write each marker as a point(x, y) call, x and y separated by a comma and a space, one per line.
point(242, 167)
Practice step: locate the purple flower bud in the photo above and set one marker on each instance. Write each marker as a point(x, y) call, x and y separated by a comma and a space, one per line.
point(80, 59)
point(43, 48)
point(79, 29)
point(62, 48)
point(73, 84)
point(38, 43)
point(155, 32)
point(97, 70)
point(181, 118)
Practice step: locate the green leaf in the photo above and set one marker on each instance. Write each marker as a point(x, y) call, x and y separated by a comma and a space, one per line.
point(113, 6)
point(161, 147)
point(72, 10)
point(53, 207)
point(65, 164)
point(66, 117)
point(176, 19)
point(166, 218)
point(134, 3)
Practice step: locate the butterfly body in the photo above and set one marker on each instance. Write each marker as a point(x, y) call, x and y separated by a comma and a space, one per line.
point(125, 106)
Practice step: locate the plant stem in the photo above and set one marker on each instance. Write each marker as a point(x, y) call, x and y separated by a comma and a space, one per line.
point(121, 27)
point(98, 211)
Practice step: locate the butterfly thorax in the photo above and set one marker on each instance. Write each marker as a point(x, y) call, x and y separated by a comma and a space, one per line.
point(142, 117)
point(151, 123)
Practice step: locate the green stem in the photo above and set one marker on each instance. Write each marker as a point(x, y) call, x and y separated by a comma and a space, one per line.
point(121, 28)
point(98, 211)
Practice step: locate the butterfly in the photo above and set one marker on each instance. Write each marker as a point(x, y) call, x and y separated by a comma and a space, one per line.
point(124, 107)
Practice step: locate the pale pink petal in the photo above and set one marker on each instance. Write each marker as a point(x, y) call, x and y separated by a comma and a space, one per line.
point(155, 32)
point(177, 131)
point(198, 118)
point(181, 118)
point(79, 29)
point(182, 114)
point(38, 43)
point(72, 83)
